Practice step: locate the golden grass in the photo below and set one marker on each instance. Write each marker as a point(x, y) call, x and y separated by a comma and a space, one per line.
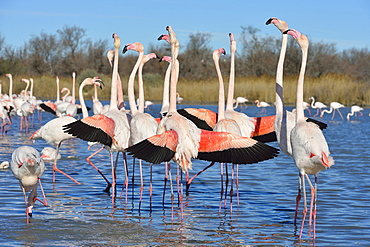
point(328, 88)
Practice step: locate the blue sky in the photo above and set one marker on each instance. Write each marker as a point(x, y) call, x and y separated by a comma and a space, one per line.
point(345, 23)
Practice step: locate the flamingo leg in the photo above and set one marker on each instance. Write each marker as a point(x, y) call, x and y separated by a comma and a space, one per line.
point(113, 165)
point(166, 165)
point(188, 183)
point(151, 186)
point(222, 185)
point(231, 188)
point(340, 114)
point(237, 184)
point(298, 199)
point(56, 169)
point(304, 205)
point(141, 183)
point(88, 159)
point(44, 201)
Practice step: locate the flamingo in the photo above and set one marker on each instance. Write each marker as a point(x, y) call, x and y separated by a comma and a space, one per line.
point(262, 104)
point(354, 110)
point(142, 125)
point(179, 99)
point(49, 153)
point(242, 101)
point(28, 167)
point(111, 129)
point(317, 105)
point(97, 105)
point(310, 150)
point(25, 109)
point(334, 106)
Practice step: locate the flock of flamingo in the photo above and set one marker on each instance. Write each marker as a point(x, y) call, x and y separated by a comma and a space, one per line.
point(180, 135)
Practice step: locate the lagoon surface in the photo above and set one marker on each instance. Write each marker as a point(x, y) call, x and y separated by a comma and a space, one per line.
point(262, 214)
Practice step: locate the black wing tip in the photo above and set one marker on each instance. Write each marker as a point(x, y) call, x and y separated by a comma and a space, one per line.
point(201, 124)
point(321, 125)
point(149, 152)
point(86, 132)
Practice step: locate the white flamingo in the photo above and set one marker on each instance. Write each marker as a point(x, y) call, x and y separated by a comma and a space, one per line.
point(317, 105)
point(310, 150)
point(28, 167)
point(354, 110)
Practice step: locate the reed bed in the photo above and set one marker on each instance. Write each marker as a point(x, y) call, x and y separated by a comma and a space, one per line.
point(328, 88)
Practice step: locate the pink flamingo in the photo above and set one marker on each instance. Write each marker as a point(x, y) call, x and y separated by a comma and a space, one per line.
point(111, 129)
point(310, 150)
point(317, 105)
point(334, 106)
point(28, 167)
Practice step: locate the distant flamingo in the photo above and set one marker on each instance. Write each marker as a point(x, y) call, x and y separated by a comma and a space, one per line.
point(179, 99)
point(262, 104)
point(334, 106)
point(26, 109)
point(242, 101)
point(28, 167)
point(355, 109)
point(310, 150)
point(317, 105)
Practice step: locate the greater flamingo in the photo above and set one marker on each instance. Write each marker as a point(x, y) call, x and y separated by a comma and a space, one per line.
point(354, 110)
point(262, 104)
point(334, 106)
point(310, 150)
point(111, 129)
point(317, 105)
point(242, 101)
point(28, 167)
point(142, 125)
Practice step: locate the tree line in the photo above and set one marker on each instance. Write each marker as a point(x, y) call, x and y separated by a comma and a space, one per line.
point(70, 50)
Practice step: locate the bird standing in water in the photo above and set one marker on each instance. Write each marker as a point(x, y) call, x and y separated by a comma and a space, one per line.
point(27, 166)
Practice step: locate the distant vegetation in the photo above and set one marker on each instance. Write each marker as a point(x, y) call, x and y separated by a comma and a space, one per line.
point(331, 75)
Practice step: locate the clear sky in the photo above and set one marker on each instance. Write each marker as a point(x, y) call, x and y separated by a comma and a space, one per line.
point(345, 23)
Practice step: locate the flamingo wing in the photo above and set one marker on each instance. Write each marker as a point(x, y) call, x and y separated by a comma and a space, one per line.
point(229, 148)
point(157, 148)
point(97, 128)
point(264, 130)
point(49, 107)
point(202, 118)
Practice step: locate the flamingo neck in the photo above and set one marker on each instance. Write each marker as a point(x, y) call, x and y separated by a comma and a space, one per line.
point(82, 100)
point(313, 103)
point(58, 95)
point(25, 91)
point(230, 93)
point(221, 93)
point(141, 88)
point(279, 94)
point(74, 90)
point(131, 91)
point(166, 90)
point(31, 90)
point(113, 93)
point(11, 88)
point(299, 103)
point(173, 86)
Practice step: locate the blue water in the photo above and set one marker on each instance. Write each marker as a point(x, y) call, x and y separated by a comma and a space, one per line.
point(82, 215)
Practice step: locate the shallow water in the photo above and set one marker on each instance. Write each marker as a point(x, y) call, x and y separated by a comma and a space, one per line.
point(82, 215)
